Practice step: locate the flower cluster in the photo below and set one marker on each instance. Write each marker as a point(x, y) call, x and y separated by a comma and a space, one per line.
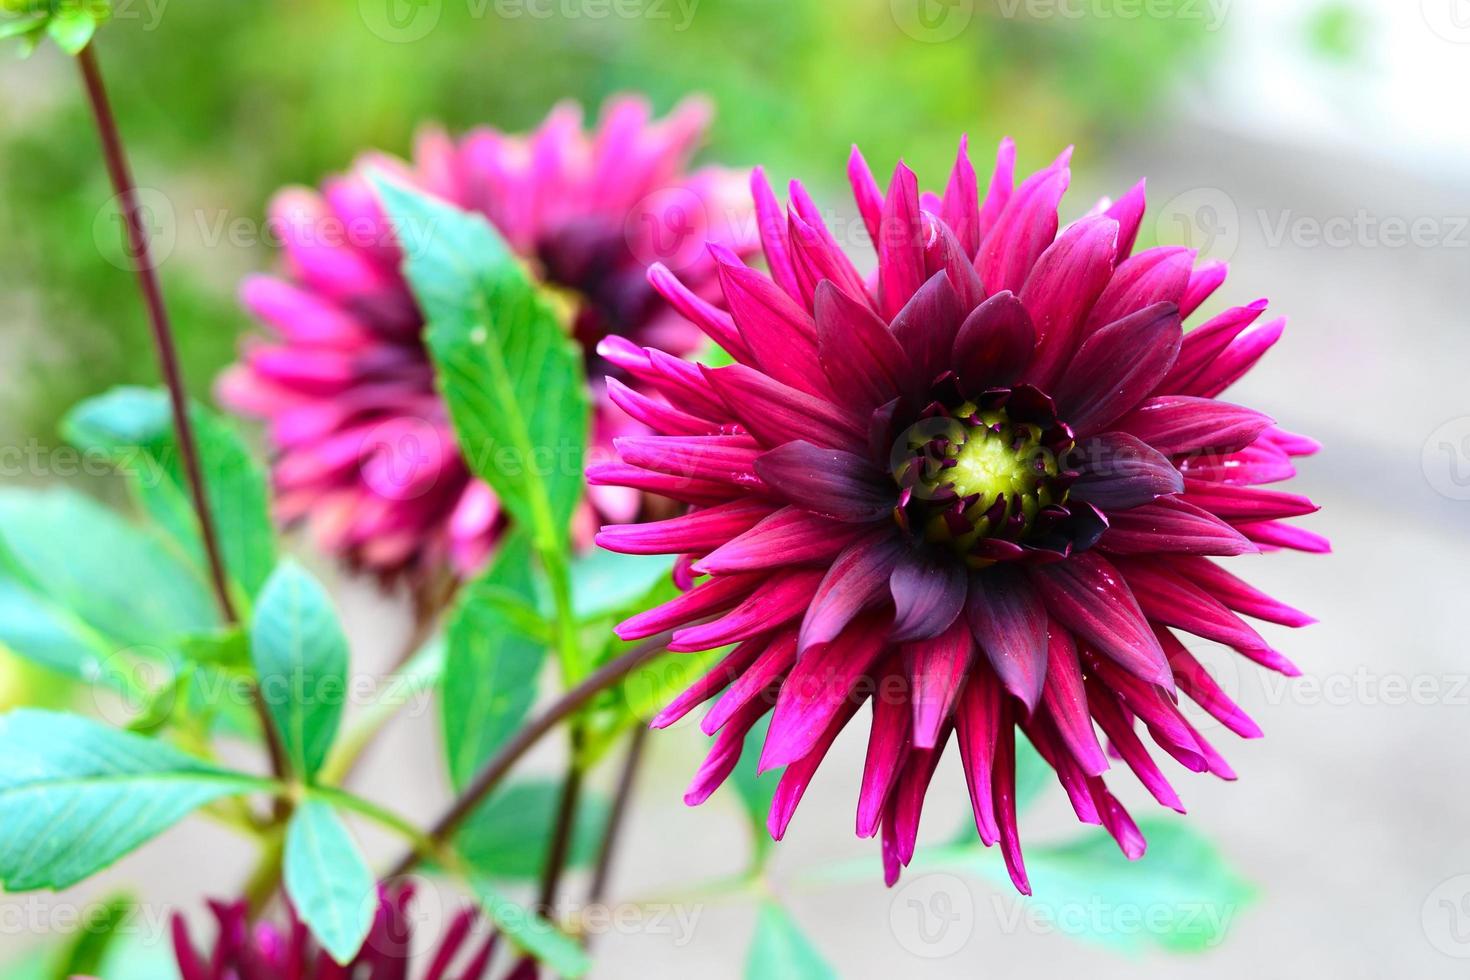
point(365, 454)
point(263, 951)
point(980, 490)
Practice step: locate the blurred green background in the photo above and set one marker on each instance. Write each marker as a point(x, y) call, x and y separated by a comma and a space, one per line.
point(221, 103)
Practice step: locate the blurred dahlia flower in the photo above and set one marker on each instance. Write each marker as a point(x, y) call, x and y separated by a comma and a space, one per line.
point(263, 951)
point(364, 451)
point(980, 490)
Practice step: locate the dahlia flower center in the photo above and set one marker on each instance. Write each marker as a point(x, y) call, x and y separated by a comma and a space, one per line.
point(984, 471)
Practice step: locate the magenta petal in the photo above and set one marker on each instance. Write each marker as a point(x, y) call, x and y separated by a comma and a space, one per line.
point(779, 599)
point(865, 193)
point(715, 596)
point(1117, 367)
point(994, 344)
point(1157, 275)
point(1000, 190)
point(1005, 805)
point(1195, 681)
point(1023, 230)
point(961, 208)
point(772, 225)
point(727, 460)
point(775, 413)
point(1128, 212)
point(829, 482)
point(697, 531)
point(937, 669)
point(858, 352)
point(798, 775)
point(716, 680)
point(1203, 281)
point(1068, 278)
point(1009, 623)
point(724, 755)
point(1242, 504)
point(928, 594)
point(857, 579)
point(1240, 595)
point(944, 253)
point(1275, 534)
point(657, 415)
point(1089, 596)
point(900, 243)
point(790, 536)
point(1172, 600)
point(1177, 424)
point(888, 747)
point(718, 325)
point(1065, 700)
point(1130, 747)
point(1119, 471)
point(757, 680)
point(913, 784)
point(978, 721)
point(1171, 526)
point(681, 488)
point(1238, 359)
point(816, 690)
point(1205, 343)
point(779, 334)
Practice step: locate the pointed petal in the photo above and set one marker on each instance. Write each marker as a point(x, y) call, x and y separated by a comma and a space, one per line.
point(829, 482)
point(1009, 622)
point(1120, 472)
point(928, 594)
point(1117, 367)
point(994, 344)
point(857, 579)
point(1089, 597)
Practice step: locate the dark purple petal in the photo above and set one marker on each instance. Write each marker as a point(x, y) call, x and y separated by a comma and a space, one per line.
point(857, 579)
point(1117, 367)
point(1120, 471)
point(1009, 622)
point(944, 253)
point(928, 593)
point(926, 327)
point(994, 344)
point(829, 482)
point(1090, 598)
point(1130, 748)
point(863, 361)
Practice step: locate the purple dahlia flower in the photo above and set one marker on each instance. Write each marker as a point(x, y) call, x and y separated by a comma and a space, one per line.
point(980, 490)
point(263, 951)
point(364, 451)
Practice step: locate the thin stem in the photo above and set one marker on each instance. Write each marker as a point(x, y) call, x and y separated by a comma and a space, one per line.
point(168, 358)
point(629, 775)
point(561, 836)
point(500, 765)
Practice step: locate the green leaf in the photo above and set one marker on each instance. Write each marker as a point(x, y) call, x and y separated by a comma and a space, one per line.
point(133, 428)
point(781, 952)
point(490, 667)
point(14, 26)
point(1182, 896)
point(75, 795)
point(34, 628)
point(328, 880)
point(507, 836)
point(532, 933)
point(72, 28)
point(606, 583)
point(300, 657)
point(513, 381)
point(119, 580)
point(92, 942)
point(756, 791)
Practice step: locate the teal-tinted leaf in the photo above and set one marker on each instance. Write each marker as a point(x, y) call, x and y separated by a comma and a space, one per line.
point(133, 427)
point(606, 583)
point(531, 932)
point(756, 791)
point(490, 667)
point(781, 952)
point(300, 657)
point(1181, 897)
point(34, 628)
point(118, 579)
point(328, 880)
point(512, 379)
point(507, 837)
point(75, 795)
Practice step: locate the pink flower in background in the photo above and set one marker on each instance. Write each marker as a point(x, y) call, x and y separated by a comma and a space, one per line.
point(364, 452)
point(980, 490)
point(263, 951)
